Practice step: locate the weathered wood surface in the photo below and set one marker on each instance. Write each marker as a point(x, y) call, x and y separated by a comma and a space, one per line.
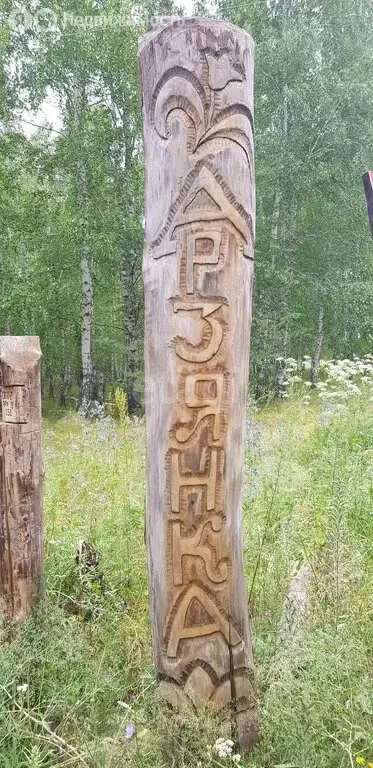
point(197, 88)
point(368, 187)
point(21, 521)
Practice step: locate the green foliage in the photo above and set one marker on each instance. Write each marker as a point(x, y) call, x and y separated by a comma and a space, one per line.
point(307, 499)
point(316, 708)
point(313, 141)
point(79, 672)
point(119, 406)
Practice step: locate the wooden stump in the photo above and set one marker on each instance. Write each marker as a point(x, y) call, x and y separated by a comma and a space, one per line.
point(21, 520)
point(197, 88)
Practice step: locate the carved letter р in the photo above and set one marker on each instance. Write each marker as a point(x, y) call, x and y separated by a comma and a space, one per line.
point(203, 248)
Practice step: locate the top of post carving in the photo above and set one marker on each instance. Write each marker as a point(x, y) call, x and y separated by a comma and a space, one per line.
point(19, 353)
point(197, 85)
point(166, 24)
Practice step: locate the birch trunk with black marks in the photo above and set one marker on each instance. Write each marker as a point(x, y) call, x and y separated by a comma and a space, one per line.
point(130, 261)
point(128, 297)
point(87, 294)
point(197, 86)
point(21, 516)
point(79, 104)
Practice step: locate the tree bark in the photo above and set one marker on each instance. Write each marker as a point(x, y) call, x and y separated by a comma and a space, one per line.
point(122, 160)
point(128, 297)
point(368, 188)
point(21, 517)
point(65, 384)
point(87, 294)
point(86, 390)
point(197, 79)
point(318, 347)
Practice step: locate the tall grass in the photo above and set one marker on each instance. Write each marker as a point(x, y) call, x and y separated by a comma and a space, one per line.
point(307, 499)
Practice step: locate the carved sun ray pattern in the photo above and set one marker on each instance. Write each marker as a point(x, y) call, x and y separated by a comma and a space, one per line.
point(180, 95)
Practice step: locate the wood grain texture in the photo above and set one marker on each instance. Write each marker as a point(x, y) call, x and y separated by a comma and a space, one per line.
point(197, 88)
point(21, 521)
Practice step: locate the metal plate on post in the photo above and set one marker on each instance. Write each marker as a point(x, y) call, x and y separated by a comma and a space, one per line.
point(15, 405)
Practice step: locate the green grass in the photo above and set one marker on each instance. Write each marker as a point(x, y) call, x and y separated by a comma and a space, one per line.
point(307, 499)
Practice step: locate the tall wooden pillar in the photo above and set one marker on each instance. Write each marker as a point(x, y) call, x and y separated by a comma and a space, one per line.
point(197, 89)
point(21, 521)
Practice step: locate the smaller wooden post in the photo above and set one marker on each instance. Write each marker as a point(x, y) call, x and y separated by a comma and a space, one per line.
point(21, 516)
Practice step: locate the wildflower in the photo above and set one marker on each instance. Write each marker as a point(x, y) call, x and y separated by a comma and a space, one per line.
point(267, 613)
point(129, 731)
point(360, 760)
point(352, 389)
point(22, 688)
point(223, 747)
point(123, 704)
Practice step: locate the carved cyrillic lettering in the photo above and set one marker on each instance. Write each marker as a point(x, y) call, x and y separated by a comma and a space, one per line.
point(203, 352)
point(202, 248)
point(207, 405)
point(199, 222)
point(213, 553)
point(192, 479)
point(216, 620)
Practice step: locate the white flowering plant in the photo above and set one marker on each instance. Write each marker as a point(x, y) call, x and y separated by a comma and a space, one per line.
point(224, 749)
point(337, 379)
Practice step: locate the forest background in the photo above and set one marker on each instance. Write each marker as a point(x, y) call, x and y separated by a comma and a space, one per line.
point(72, 188)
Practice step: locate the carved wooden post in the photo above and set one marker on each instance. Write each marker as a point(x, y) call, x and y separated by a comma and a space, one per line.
point(21, 522)
point(197, 86)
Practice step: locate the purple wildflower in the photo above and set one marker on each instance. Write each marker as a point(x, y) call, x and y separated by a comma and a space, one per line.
point(129, 731)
